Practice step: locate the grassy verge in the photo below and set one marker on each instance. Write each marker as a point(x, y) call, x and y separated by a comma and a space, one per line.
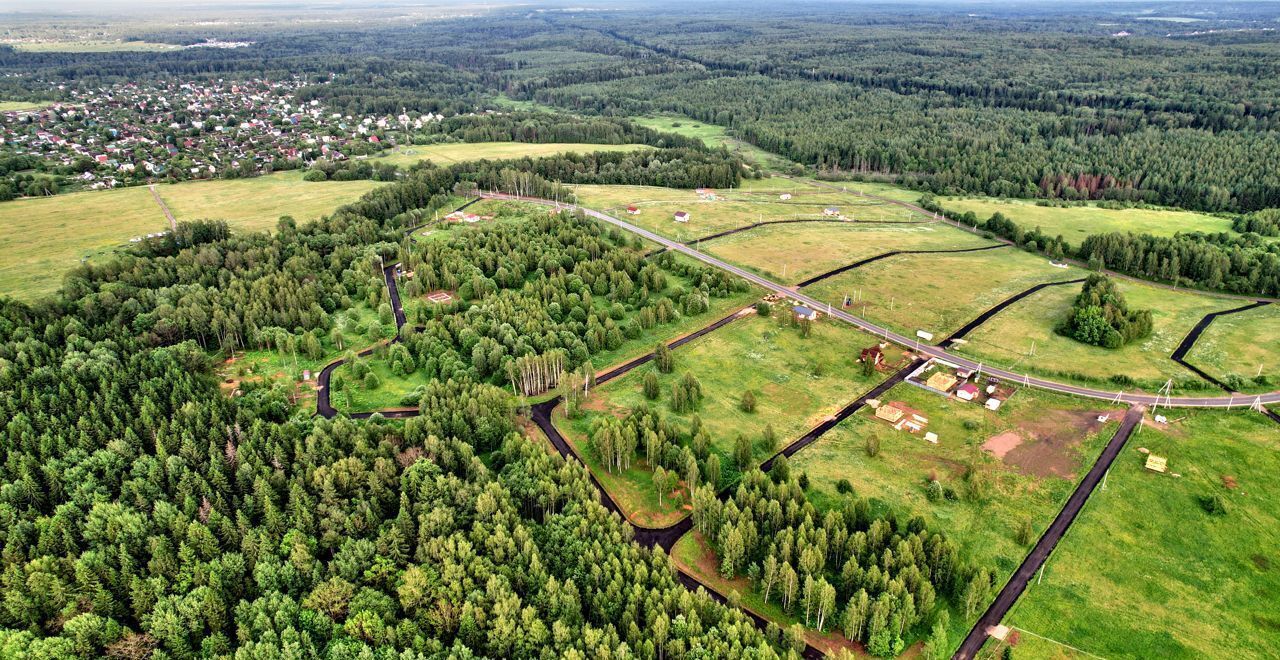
point(1077, 222)
point(1240, 347)
point(1145, 572)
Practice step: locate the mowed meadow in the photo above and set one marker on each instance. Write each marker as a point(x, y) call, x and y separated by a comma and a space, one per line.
point(41, 238)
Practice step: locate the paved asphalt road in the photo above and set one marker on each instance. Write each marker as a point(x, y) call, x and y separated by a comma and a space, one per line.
point(1044, 547)
point(924, 349)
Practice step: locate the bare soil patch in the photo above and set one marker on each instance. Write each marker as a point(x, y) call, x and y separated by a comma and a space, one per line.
point(440, 296)
point(1049, 441)
point(1000, 445)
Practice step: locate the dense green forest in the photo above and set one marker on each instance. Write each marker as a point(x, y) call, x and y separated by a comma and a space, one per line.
point(145, 514)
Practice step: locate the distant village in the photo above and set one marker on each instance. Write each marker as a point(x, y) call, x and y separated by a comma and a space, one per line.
point(131, 133)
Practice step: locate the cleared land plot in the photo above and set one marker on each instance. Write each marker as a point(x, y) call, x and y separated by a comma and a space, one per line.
point(1145, 572)
point(797, 382)
point(792, 253)
point(42, 238)
point(90, 46)
point(290, 368)
point(1006, 340)
point(1077, 222)
point(1242, 345)
point(17, 106)
point(258, 203)
point(1054, 440)
point(711, 135)
point(937, 292)
point(456, 152)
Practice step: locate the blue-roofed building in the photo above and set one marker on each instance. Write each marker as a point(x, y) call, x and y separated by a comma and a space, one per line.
point(802, 312)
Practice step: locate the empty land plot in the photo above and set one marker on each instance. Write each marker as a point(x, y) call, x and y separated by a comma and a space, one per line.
point(797, 383)
point(657, 209)
point(92, 46)
point(41, 238)
point(986, 499)
point(1242, 346)
point(456, 152)
point(1007, 339)
point(937, 292)
point(1075, 223)
point(259, 202)
point(792, 253)
point(1146, 572)
point(711, 135)
point(19, 106)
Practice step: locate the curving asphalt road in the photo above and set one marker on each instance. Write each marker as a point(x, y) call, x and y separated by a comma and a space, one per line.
point(931, 351)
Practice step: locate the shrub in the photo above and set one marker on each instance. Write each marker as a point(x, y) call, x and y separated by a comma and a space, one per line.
point(844, 487)
point(651, 389)
point(748, 402)
point(1024, 533)
point(1213, 505)
point(872, 445)
point(934, 491)
point(764, 309)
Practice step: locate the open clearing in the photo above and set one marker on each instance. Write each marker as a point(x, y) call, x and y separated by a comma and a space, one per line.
point(711, 135)
point(1243, 345)
point(757, 201)
point(1058, 438)
point(1006, 340)
point(18, 106)
point(937, 292)
point(1146, 573)
point(455, 152)
point(797, 382)
point(41, 238)
point(92, 46)
point(1077, 222)
point(792, 253)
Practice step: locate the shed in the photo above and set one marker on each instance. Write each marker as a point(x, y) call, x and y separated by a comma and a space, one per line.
point(784, 196)
point(632, 210)
point(681, 216)
point(968, 391)
point(874, 354)
point(802, 312)
point(993, 404)
point(931, 437)
point(831, 211)
point(890, 413)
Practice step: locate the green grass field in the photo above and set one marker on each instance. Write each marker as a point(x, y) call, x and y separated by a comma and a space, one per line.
point(798, 382)
point(1242, 345)
point(1144, 572)
point(40, 238)
point(92, 46)
point(16, 106)
point(455, 152)
point(937, 292)
point(713, 136)
point(1006, 340)
point(791, 253)
point(1077, 222)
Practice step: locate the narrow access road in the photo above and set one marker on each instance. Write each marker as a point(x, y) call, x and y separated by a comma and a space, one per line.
point(1049, 540)
point(986, 316)
point(862, 262)
point(963, 227)
point(173, 222)
point(931, 351)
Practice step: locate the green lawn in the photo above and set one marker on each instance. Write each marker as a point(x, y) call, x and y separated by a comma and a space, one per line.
point(1241, 345)
point(1144, 572)
point(92, 46)
point(40, 238)
point(937, 292)
point(1077, 222)
point(1007, 339)
point(791, 253)
point(15, 106)
point(455, 152)
point(798, 382)
point(713, 136)
point(1059, 438)
point(257, 203)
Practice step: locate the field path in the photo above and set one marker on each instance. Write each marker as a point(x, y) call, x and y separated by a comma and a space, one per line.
point(173, 222)
point(1049, 540)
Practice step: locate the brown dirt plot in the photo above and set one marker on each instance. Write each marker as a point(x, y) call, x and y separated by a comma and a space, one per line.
point(1045, 445)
